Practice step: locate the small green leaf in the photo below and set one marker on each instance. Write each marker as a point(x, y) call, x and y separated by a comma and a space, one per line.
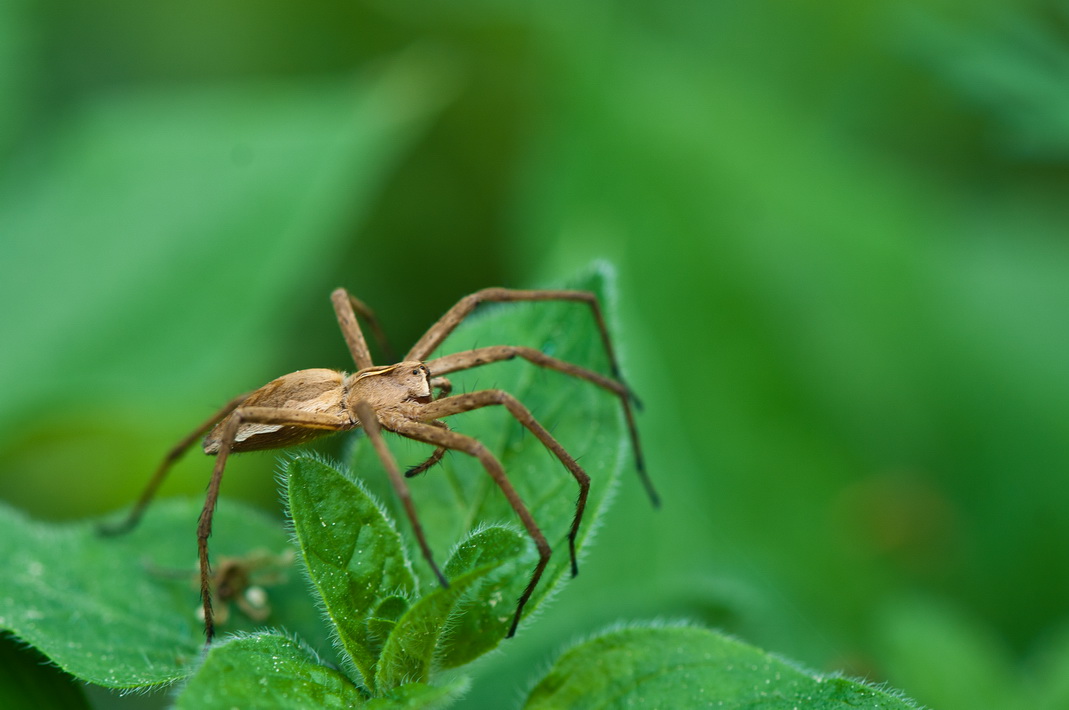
point(382, 621)
point(419, 696)
point(411, 648)
point(487, 611)
point(687, 667)
point(122, 611)
point(354, 555)
point(266, 670)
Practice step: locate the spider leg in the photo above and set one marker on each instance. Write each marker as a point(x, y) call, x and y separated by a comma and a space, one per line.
point(346, 306)
point(164, 468)
point(432, 460)
point(245, 415)
point(421, 431)
point(371, 425)
point(463, 308)
point(486, 398)
point(497, 353)
point(444, 387)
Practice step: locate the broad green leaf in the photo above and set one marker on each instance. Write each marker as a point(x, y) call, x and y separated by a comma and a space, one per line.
point(122, 611)
point(457, 496)
point(28, 681)
point(486, 612)
point(266, 671)
point(687, 667)
point(411, 649)
point(354, 555)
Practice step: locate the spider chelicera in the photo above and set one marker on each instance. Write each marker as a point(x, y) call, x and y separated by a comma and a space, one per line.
point(398, 398)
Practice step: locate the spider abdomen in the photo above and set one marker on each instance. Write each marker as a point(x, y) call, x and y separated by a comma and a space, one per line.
point(316, 390)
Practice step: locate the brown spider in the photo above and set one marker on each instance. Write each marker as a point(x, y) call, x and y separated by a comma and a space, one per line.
point(398, 398)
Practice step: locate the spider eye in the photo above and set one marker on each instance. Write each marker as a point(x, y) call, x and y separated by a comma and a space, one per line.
point(416, 372)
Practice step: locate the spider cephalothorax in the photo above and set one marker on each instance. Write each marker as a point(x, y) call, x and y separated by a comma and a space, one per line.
point(398, 398)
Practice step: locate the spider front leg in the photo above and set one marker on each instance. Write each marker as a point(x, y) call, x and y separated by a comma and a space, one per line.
point(444, 387)
point(428, 433)
point(498, 353)
point(371, 425)
point(465, 306)
point(227, 437)
point(486, 398)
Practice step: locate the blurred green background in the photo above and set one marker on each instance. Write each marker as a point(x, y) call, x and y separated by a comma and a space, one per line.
point(842, 237)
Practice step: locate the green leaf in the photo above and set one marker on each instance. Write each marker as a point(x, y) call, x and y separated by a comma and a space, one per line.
point(486, 612)
point(412, 646)
point(685, 667)
point(354, 555)
point(266, 670)
point(122, 611)
point(457, 496)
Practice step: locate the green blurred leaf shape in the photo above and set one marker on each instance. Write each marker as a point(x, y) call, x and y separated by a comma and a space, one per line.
point(121, 611)
point(412, 647)
point(687, 667)
point(920, 640)
point(353, 553)
point(199, 200)
point(28, 681)
point(457, 497)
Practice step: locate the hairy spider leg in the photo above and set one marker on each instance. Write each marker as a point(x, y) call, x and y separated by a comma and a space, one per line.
point(444, 387)
point(463, 308)
point(246, 415)
point(487, 398)
point(346, 306)
point(421, 431)
point(452, 318)
point(373, 428)
point(496, 353)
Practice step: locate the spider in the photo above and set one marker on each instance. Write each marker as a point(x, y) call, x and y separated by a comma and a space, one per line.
point(397, 398)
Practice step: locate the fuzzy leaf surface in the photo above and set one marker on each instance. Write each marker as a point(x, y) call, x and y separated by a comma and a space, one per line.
point(486, 613)
point(266, 670)
point(122, 611)
point(687, 667)
point(353, 553)
point(411, 648)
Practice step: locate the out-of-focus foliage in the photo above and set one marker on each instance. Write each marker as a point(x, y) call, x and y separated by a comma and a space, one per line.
point(841, 230)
